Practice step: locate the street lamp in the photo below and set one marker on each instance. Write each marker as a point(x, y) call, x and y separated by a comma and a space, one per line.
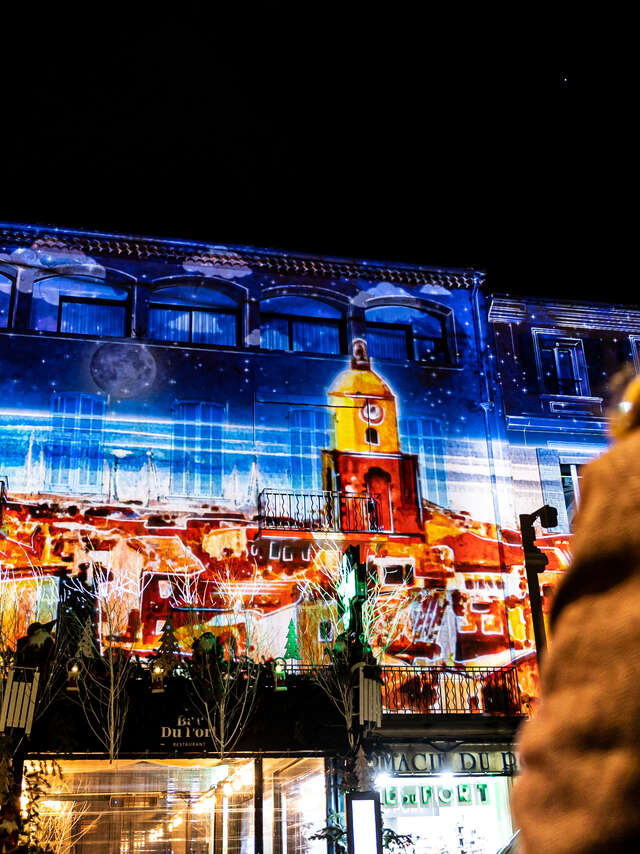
point(535, 561)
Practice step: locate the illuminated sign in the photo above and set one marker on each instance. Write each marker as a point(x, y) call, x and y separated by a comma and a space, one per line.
point(451, 794)
point(364, 823)
point(412, 761)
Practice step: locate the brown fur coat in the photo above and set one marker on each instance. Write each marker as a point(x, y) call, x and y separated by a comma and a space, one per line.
point(579, 792)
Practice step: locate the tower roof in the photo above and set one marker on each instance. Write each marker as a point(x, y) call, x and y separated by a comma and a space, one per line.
point(360, 380)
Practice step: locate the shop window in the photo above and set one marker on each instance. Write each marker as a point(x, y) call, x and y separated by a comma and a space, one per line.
point(399, 332)
point(138, 806)
point(193, 314)
point(561, 364)
point(79, 306)
point(196, 452)
point(294, 805)
point(469, 814)
point(301, 325)
point(6, 294)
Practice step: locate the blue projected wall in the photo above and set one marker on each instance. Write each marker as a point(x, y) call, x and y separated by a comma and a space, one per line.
point(188, 390)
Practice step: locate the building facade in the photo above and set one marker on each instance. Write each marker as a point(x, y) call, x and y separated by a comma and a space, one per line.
point(208, 429)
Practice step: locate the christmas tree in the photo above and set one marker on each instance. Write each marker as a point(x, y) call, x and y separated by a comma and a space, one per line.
point(292, 650)
point(363, 771)
point(168, 653)
point(86, 644)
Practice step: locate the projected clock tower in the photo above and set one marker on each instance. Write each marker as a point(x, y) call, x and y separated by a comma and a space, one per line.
point(366, 459)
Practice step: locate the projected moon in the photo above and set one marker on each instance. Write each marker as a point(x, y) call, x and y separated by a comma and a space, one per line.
point(123, 370)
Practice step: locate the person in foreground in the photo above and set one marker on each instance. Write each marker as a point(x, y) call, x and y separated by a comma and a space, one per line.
point(579, 792)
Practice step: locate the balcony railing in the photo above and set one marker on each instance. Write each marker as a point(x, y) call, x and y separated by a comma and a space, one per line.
point(319, 511)
point(442, 690)
point(447, 691)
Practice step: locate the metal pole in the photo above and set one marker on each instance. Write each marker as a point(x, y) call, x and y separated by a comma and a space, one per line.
point(535, 600)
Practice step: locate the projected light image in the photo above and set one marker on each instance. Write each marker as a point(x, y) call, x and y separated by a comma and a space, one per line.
point(218, 435)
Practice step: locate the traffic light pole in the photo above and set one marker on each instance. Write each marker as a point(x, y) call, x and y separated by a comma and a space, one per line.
point(535, 562)
point(535, 600)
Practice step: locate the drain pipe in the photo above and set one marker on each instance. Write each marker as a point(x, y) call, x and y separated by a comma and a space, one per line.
point(487, 405)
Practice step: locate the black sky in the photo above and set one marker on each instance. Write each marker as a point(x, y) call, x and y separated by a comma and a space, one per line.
point(345, 148)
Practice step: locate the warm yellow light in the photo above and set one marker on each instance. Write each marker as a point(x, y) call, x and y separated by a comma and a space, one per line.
point(244, 773)
point(236, 783)
point(170, 826)
point(178, 819)
point(205, 803)
point(157, 669)
point(52, 806)
point(75, 668)
point(227, 791)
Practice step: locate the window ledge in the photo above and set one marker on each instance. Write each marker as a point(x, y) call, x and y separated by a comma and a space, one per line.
point(571, 398)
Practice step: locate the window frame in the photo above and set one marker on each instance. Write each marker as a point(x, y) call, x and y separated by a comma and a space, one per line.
point(575, 345)
point(369, 433)
point(291, 318)
point(444, 315)
point(190, 309)
point(124, 304)
point(574, 466)
point(12, 299)
point(635, 351)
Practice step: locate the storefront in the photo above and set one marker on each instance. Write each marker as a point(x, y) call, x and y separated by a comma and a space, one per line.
point(187, 806)
point(453, 800)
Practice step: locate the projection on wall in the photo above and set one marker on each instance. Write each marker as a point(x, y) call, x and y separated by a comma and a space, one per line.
point(212, 468)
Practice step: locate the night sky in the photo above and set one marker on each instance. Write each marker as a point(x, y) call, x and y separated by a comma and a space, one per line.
point(345, 149)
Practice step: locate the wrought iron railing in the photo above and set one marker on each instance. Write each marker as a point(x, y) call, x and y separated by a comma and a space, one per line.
point(449, 691)
point(442, 690)
point(319, 511)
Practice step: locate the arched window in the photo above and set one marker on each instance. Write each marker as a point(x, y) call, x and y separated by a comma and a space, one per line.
point(79, 306)
point(401, 332)
point(6, 290)
point(195, 313)
point(300, 324)
point(371, 436)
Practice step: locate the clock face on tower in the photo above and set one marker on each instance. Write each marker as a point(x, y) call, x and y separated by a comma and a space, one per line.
point(372, 413)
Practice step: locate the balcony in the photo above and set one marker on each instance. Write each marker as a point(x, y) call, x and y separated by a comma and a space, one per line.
point(319, 511)
point(448, 691)
point(440, 690)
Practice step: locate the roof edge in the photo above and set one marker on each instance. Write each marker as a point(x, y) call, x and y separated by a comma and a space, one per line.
point(269, 260)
